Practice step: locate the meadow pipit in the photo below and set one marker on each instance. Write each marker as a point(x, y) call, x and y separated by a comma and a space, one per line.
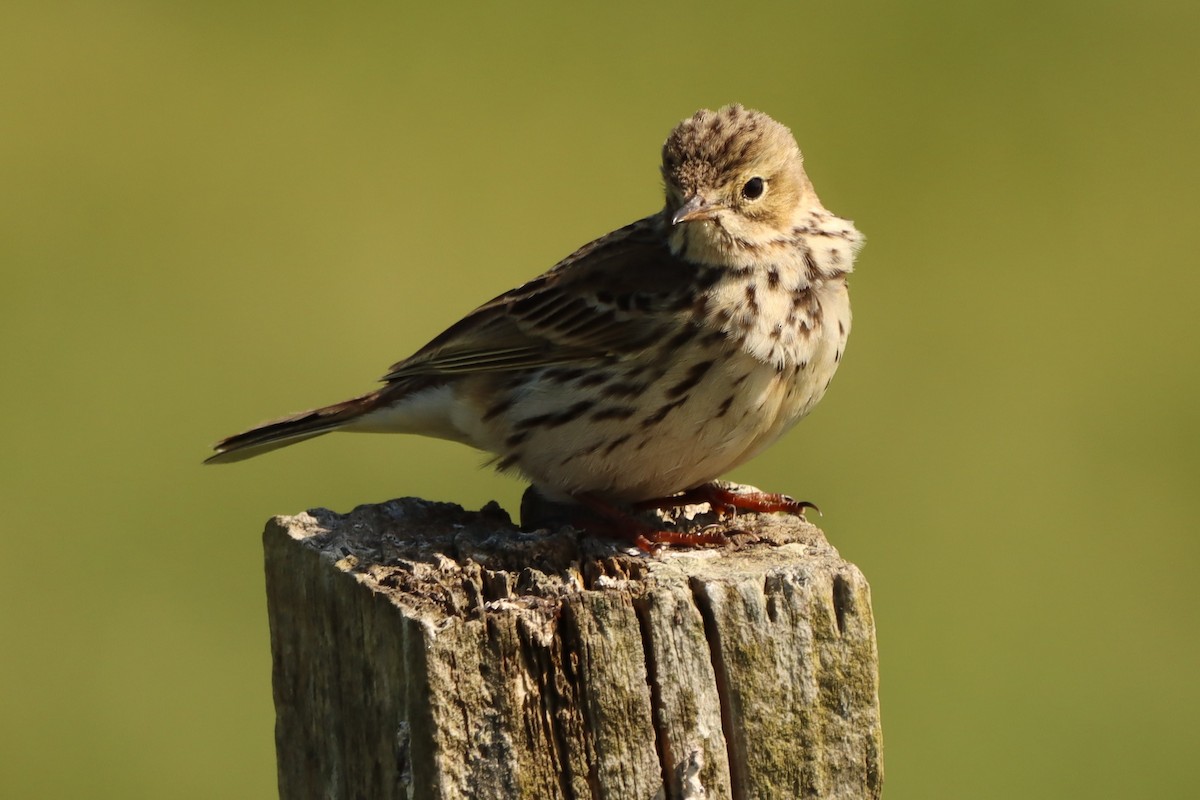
point(654, 359)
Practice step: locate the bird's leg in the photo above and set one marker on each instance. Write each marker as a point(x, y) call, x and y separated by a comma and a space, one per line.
point(614, 523)
point(726, 502)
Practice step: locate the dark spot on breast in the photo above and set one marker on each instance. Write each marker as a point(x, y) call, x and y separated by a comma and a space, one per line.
point(683, 337)
point(586, 451)
point(689, 381)
point(613, 412)
point(623, 389)
point(661, 414)
point(810, 265)
point(752, 297)
point(723, 409)
point(773, 277)
point(554, 419)
point(527, 424)
point(615, 443)
point(574, 412)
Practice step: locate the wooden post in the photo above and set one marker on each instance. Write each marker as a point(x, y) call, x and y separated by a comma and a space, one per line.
point(421, 651)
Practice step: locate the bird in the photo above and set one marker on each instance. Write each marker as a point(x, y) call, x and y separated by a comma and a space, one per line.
point(649, 362)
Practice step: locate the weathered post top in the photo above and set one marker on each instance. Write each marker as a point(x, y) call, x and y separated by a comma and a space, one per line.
point(422, 651)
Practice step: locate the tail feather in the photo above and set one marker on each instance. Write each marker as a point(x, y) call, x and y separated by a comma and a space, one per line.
point(289, 430)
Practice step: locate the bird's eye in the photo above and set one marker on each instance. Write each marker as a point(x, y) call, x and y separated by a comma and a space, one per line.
point(754, 188)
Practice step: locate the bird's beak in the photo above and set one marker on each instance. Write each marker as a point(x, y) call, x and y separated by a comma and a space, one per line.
point(697, 207)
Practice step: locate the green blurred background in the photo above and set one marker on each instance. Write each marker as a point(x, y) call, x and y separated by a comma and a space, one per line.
point(214, 213)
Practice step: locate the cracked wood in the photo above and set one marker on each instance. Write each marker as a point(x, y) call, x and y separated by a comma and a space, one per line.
point(421, 651)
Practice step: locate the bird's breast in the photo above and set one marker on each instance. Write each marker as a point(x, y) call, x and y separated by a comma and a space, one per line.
point(783, 324)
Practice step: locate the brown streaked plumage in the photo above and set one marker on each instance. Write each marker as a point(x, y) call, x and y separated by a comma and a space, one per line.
point(651, 360)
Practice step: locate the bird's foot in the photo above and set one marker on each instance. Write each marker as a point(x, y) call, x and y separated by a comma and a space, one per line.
point(615, 523)
point(726, 501)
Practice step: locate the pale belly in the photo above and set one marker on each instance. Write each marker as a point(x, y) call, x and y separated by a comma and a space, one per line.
point(657, 443)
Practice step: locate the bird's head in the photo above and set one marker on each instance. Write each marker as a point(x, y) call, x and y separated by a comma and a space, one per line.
point(734, 181)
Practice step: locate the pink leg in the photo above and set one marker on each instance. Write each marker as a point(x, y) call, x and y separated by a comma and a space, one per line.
point(614, 523)
point(725, 501)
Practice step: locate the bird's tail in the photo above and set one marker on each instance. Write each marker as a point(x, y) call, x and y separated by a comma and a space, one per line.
point(289, 430)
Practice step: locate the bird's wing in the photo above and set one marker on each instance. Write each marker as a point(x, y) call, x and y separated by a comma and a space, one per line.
point(606, 300)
